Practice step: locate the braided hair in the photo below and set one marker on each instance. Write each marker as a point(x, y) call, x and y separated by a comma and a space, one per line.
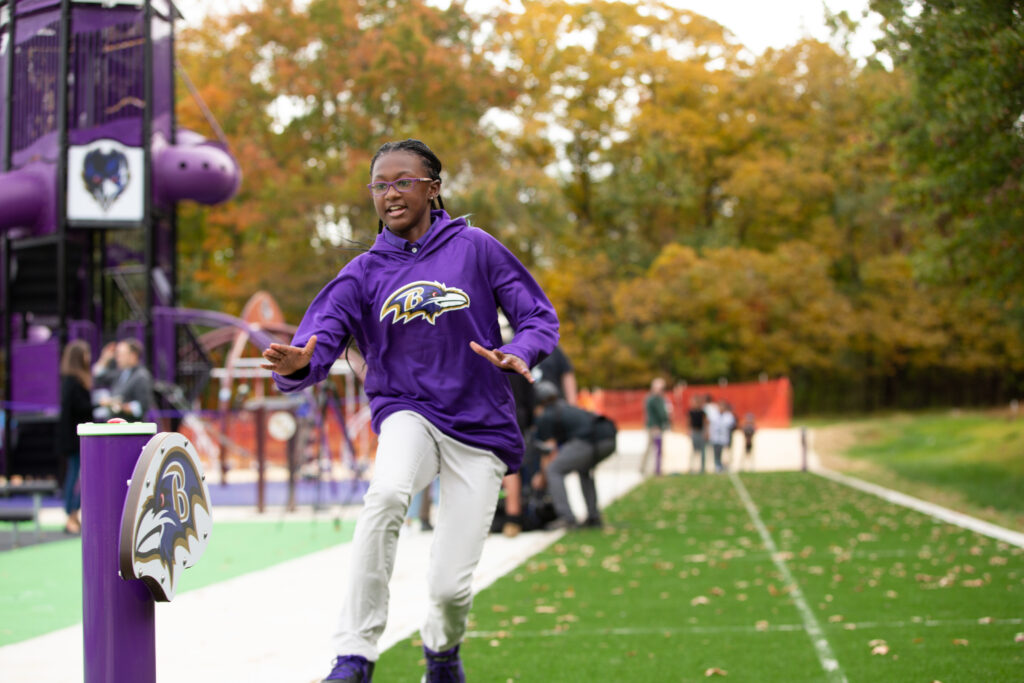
point(420, 149)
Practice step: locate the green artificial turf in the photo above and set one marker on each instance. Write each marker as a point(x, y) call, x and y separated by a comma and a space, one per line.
point(681, 587)
point(42, 584)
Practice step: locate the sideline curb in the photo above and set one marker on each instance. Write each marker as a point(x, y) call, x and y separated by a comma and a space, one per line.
point(931, 509)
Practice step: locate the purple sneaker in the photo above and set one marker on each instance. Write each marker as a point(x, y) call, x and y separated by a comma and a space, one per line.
point(351, 669)
point(443, 667)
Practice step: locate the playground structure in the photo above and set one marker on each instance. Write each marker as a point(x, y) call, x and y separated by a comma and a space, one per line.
point(233, 433)
point(92, 166)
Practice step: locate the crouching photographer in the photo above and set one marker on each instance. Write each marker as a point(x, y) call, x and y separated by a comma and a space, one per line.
point(575, 440)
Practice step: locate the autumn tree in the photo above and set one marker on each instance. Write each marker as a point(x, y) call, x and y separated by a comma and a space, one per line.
point(305, 97)
point(691, 209)
point(583, 72)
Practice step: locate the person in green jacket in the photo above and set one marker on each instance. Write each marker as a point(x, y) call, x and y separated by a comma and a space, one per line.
point(657, 421)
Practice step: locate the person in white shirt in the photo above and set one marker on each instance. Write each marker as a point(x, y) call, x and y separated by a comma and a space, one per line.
point(720, 425)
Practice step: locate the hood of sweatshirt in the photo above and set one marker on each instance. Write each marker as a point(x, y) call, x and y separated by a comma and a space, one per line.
point(442, 229)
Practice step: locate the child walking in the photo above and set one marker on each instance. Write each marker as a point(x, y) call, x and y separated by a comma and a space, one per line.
point(658, 421)
point(422, 306)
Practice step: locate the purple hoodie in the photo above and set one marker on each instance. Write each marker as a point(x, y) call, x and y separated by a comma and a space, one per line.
point(413, 309)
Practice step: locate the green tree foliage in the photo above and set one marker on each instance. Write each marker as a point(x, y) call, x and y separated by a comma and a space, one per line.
point(960, 136)
point(692, 210)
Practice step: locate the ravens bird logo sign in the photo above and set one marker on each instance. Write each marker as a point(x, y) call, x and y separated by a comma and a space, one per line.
point(423, 299)
point(166, 522)
point(106, 175)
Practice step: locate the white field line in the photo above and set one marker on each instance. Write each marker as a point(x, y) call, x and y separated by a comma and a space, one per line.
point(700, 630)
point(930, 509)
point(824, 651)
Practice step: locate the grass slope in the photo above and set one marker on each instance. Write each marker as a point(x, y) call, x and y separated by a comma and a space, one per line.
point(680, 587)
point(968, 461)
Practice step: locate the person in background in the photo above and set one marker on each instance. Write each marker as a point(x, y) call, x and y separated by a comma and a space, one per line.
point(75, 409)
point(130, 384)
point(557, 369)
point(657, 421)
point(698, 421)
point(513, 498)
point(734, 425)
point(575, 441)
point(749, 427)
point(720, 425)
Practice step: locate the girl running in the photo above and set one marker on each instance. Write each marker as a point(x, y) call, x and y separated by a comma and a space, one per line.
point(422, 306)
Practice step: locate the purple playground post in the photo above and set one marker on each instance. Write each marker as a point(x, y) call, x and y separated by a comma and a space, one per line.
point(117, 616)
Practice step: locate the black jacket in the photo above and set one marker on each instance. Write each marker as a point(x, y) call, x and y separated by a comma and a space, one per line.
point(75, 408)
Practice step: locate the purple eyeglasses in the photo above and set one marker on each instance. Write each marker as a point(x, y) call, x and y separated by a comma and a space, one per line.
point(402, 185)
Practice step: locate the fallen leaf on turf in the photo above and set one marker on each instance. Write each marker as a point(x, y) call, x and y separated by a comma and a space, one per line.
point(960, 641)
point(699, 600)
point(544, 609)
point(880, 650)
point(875, 642)
point(761, 625)
point(835, 618)
point(499, 608)
point(985, 620)
point(1019, 638)
point(715, 671)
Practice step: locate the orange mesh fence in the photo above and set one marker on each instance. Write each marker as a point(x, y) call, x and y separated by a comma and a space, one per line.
point(770, 402)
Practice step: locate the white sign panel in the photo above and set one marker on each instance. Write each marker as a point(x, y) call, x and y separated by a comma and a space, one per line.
point(106, 182)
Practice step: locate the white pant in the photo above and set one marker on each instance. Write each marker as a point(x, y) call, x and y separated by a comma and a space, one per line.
point(410, 453)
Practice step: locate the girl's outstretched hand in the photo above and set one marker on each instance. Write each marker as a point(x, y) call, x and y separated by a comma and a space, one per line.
point(284, 359)
point(505, 361)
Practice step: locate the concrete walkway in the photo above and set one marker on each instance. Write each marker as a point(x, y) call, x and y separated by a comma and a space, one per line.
point(275, 625)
